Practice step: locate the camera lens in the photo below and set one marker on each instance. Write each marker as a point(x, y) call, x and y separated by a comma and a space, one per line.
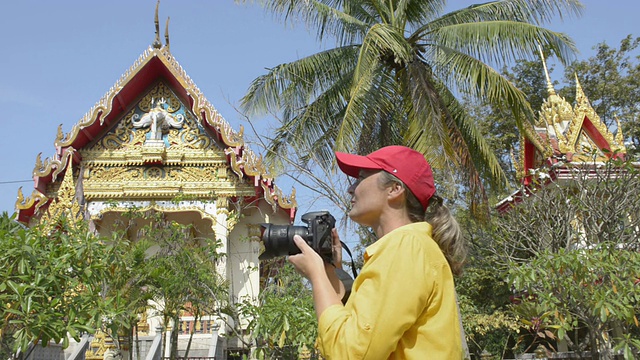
point(278, 240)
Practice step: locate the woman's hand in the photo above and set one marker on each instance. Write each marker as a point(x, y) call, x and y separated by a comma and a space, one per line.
point(336, 249)
point(326, 287)
point(308, 262)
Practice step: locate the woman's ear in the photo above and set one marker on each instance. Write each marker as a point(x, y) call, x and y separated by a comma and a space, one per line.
point(395, 191)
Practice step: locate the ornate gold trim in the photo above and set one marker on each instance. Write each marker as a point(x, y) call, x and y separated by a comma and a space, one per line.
point(518, 163)
point(36, 197)
point(535, 138)
point(286, 202)
point(584, 109)
point(154, 206)
point(268, 195)
point(620, 136)
point(44, 168)
point(100, 346)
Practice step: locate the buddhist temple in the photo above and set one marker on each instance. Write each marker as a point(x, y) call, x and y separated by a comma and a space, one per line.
point(154, 142)
point(563, 134)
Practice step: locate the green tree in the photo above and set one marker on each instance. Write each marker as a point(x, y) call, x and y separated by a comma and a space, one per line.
point(484, 294)
point(284, 319)
point(572, 247)
point(395, 74)
point(52, 281)
point(180, 272)
point(127, 286)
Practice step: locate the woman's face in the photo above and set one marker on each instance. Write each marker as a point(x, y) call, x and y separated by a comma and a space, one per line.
point(367, 198)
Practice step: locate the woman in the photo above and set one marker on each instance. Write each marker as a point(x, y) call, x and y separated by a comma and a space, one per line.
point(403, 302)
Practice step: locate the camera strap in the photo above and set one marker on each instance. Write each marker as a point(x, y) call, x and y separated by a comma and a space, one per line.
point(344, 277)
point(353, 265)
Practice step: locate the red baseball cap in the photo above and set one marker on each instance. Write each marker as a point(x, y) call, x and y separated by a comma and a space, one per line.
point(404, 163)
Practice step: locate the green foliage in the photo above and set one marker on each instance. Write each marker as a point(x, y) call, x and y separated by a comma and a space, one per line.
point(487, 323)
point(68, 281)
point(284, 318)
point(483, 294)
point(51, 284)
point(572, 247)
point(536, 325)
point(172, 265)
point(591, 287)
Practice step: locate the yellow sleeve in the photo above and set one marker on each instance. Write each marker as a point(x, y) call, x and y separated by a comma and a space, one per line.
point(389, 295)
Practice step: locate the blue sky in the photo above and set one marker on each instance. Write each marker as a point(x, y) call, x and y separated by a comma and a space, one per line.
point(58, 58)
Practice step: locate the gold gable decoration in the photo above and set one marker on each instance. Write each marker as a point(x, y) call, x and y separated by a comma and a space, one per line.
point(587, 149)
point(52, 166)
point(201, 104)
point(126, 142)
point(565, 123)
point(188, 161)
point(555, 114)
point(582, 110)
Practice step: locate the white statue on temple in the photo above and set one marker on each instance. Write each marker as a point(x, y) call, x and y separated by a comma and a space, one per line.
point(158, 119)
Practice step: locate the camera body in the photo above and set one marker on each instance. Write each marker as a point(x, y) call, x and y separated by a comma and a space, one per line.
point(278, 239)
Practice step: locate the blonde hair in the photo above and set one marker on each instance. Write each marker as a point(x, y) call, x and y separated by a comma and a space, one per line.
point(446, 230)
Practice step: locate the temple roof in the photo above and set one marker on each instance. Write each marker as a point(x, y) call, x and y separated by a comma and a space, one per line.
point(562, 134)
point(155, 71)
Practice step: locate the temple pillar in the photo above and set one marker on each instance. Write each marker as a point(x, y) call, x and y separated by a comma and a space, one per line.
point(221, 229)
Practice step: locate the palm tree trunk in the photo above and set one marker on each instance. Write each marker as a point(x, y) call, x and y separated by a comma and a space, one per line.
point(137, 343)
point(164, 334)
point(191, 332)
point(174, 337)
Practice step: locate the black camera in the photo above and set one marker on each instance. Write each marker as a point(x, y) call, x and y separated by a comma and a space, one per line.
point(278, 239)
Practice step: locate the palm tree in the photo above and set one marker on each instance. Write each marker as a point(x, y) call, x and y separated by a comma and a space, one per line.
point(396, 75)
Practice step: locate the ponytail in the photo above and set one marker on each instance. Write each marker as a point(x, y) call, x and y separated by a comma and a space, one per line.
point(446, 230)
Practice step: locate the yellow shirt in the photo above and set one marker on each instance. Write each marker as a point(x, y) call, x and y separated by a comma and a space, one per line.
point(402, 304)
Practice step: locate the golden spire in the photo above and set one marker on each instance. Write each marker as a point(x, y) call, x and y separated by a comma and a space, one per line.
point(166, 35)
point(550, 90)
point(581, 98)
point(156, 43)
point(619, 136)
point(556, 113)
point(65, 201)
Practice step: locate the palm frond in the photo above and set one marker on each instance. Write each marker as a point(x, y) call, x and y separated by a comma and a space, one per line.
point(448, 135)
point(382, 41)
point(291, 86)
point(475, 78)
point(326, 17)
point(397, 77)
point(313, 127)
point(500, 42)
point(537, 12)
point(419, 12)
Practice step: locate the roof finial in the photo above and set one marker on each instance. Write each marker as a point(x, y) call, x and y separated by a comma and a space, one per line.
point(156, 43)
point(166, 34)
point(579, 92)
point(550, 90)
